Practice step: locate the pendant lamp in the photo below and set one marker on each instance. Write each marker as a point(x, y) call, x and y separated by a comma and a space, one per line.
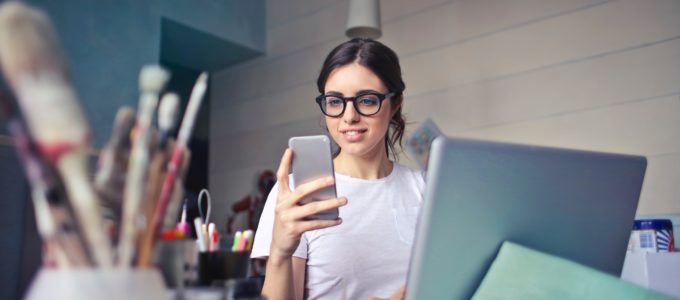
point(363, 19)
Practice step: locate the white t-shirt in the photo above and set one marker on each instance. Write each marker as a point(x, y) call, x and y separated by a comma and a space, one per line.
point(368, 253)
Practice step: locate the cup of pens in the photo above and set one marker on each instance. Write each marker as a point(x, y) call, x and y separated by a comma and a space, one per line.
point(218, 264)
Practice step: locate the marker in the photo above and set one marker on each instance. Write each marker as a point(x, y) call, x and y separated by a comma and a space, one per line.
point(211, 233)
point(204, 230)
point(251, 238)
point(237, 237)
point(242, 242)
point(183, 226)
point(215, 239)
point(200, 238)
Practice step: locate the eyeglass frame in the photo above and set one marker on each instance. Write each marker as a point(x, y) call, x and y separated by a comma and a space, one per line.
point(381, 97)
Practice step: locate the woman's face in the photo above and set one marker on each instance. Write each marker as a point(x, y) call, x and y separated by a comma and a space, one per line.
point(358, 135)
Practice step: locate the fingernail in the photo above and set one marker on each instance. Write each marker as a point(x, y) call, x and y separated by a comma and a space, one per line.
point(343, 200)
point(330, 179)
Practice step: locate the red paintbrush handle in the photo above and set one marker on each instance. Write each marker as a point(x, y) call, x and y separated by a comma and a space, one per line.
point(174, 165)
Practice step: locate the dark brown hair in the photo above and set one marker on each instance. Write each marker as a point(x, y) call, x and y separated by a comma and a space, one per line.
point(384, 63)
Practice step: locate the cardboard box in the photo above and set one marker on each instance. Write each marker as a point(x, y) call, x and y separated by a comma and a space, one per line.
point(656, 271)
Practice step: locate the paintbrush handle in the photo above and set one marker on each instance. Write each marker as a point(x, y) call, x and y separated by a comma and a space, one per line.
point(175, 163)
point(195, 100)
point(156, 175)
point(51, 227)
point(173, 209)
point(113, 159)
point(51, 234)
point(152, 78)
point(67, 240)
point(72, 166)
point(174, 167)
point(147, 243)
point(135, 181)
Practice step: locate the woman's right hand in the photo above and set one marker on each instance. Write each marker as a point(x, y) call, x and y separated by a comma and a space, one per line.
point(289, 220)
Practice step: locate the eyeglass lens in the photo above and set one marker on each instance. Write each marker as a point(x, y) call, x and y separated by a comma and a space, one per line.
point(368, 104)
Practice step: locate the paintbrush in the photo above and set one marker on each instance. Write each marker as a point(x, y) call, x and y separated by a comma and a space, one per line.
point(54, 221)
point(169, 203)
point(33, 65)
point(167, 117)
point(176, 161)
point(151, 82)
point(109, 181)
point(172, 212)
point(174, 203)
point(56, 230)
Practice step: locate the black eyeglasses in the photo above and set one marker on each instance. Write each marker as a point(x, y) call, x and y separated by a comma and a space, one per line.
point(366, 104)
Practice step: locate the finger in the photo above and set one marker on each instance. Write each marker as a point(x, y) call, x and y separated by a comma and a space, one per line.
point(284, 169)
point(312, 208)
point(305, 189)
point(318, 224)
point(399, 294)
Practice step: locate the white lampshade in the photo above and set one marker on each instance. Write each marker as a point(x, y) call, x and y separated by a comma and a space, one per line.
point(363, 19)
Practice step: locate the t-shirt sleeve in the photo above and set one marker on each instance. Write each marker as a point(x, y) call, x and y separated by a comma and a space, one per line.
point(263, 236)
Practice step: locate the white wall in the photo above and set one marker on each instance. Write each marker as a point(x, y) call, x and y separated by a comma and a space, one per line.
point(590, 74)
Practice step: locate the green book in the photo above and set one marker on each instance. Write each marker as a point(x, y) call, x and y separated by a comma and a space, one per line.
point(522, 273)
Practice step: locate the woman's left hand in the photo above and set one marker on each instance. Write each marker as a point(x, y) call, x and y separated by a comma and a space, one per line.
point(398, 295)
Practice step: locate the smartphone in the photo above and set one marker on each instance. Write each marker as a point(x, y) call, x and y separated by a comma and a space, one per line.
point(312, 160)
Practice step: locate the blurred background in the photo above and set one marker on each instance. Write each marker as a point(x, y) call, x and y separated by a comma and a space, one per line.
point(589, 74)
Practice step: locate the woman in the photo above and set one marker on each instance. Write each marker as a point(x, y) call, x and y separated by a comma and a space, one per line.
point(367, 252)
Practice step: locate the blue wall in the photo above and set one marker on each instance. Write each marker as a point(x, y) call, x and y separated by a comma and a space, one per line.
point(106, 42)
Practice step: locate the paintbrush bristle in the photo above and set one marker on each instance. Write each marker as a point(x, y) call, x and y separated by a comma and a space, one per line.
point(27, 41)
point(34, 67)
point(167, 111)
point(152, 78)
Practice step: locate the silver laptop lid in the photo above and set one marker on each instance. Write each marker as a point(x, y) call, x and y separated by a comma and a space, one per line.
point(575, 204)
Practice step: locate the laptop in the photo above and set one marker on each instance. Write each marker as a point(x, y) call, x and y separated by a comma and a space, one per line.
point(578, 205)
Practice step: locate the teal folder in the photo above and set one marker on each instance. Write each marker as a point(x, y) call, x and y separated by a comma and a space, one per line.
point(522, 273)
